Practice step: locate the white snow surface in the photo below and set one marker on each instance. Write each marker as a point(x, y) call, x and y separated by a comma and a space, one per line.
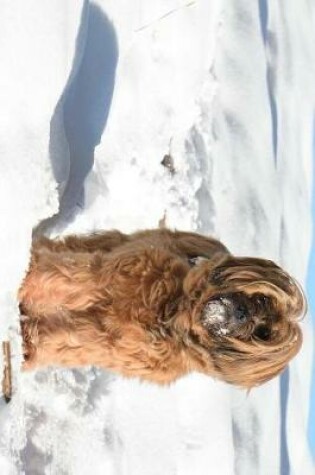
point(93, 95)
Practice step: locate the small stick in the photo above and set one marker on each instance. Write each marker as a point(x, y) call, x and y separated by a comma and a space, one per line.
point(7, 371)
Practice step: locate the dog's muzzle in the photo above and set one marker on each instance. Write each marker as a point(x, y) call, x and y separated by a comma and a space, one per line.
point(223, 315)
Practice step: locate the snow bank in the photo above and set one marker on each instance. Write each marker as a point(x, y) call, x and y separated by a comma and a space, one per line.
point(37, 45)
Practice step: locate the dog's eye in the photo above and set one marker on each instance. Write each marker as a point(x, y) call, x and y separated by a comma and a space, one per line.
point(262, 333)
point(262, 300)
point(241, 314)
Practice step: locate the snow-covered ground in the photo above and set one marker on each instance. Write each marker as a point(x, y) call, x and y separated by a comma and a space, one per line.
point(93, 96)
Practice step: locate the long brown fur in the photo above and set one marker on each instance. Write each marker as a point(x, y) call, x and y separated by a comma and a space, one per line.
point(134, 303)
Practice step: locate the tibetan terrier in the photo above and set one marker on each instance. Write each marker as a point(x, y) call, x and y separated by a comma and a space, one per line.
point(158, 304)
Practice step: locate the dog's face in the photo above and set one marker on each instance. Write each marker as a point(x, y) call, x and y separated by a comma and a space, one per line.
point(238, 315)
point(243, 315)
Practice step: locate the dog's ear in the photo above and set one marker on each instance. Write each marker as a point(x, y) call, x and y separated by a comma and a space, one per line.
point(251, 363)
point(243, 269)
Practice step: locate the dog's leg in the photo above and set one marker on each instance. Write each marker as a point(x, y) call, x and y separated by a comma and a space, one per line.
point(51, 341)
point(60, 281)
point(57, 286)
point(99, 241)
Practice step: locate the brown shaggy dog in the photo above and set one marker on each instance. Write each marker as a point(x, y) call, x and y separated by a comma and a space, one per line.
point(158, 304)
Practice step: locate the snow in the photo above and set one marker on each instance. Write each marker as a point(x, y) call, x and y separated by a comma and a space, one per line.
point(95, 95)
